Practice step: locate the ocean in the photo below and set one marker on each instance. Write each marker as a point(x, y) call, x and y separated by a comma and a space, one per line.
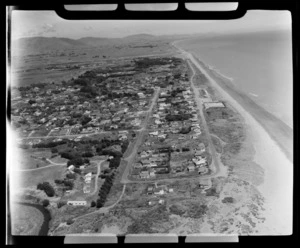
point(259, 64)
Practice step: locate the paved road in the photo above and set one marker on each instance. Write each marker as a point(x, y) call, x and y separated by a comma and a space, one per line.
point(138, 142)
point(215, 164)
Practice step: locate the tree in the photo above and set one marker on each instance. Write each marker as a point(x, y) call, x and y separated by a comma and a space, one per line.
point(93, 204)
point(69, 183)
point(99, 203)
point(49, 190)
point(87, 154)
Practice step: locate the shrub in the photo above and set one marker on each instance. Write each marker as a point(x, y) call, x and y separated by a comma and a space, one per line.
point(70, 221)
point(228, 200)
point(78, 161)
point(77, 170)
point(69, 183)
point(54, 150)
point(99, 203)
point(93, 204)
point(58, 181)
point(61, 203)
point(71, 176)
point(87, 154)
point(174, 209)
point(45, 202)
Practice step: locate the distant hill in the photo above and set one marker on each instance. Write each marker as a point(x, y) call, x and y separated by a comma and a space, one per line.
point(140, 37)
point(46, 43)
point(40, 44)
point(94, 41)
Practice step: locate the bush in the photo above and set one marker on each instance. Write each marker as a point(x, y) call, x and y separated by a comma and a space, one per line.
point(54, 150)
point(78, 161)
point(228, 200)
point(69, 183)
point(48, 189)
point(70, 221)
point(76, 170)
point(87, 154)
point(45, 202)
point(71, 176)
point(99, 203)
point(61, 203)
point(93, 204)
point(59, 181)
point(174, 209)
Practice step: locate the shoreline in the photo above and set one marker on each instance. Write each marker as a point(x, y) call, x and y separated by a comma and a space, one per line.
point(280, 132)
point(278, 180)
point(230, 81)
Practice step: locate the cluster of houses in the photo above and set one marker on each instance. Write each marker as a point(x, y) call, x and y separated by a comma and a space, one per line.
point(198, 163)
point(183, 126)
point(87, 178)
point(87, 181)
point(58, 110)
point(155, 190)
point(150, 163)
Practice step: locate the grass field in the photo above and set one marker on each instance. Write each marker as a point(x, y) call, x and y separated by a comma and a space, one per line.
point(26, 220)
point(32, 178)
point(30, 159)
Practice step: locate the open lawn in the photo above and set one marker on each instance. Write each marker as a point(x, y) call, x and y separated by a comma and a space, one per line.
point(26, 220)
point(32, 178)
point(30, 158)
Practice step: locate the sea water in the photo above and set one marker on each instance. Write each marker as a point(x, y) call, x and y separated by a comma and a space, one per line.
point(258, 63)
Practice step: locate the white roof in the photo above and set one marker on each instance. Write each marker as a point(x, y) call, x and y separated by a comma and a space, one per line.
point(213, 105)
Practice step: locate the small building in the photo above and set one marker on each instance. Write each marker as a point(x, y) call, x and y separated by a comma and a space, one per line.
point(144, 174)
point(205, 183)
point(191, 168)
point(150, 190)
point(76, 203)
point(152, 173)
point(202, 170)
point(135, 173)
point(201, 147)
point(158, 191)
point(71, 167)
point(208, 105)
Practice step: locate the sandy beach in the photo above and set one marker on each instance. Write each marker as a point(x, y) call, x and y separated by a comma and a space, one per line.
point(278, 181)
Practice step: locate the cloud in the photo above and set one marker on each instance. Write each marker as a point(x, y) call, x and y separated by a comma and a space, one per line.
point(88, 28)
point(48, 28)
point(41, 30)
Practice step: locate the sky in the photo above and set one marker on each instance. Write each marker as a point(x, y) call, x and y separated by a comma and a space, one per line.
point(48, 24)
